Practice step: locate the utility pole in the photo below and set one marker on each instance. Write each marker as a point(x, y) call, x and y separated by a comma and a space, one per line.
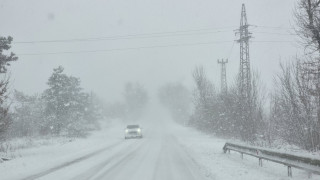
point(224, 86)
point(247, 122)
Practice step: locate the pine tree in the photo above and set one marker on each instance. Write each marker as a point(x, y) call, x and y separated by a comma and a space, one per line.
point(65, 104)
point(5, 60)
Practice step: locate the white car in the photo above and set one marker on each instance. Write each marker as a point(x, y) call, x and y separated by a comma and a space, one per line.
point(133, 131)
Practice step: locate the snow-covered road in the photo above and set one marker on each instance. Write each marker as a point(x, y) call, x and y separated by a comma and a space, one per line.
point(157, 156)
point(168, 151)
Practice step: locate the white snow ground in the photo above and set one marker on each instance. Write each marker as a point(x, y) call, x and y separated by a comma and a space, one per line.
point(167, 151)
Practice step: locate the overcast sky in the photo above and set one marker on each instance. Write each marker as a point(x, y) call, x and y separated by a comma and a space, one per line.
point(205, 28)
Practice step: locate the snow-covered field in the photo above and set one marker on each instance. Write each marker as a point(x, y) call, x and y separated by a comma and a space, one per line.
point(167, 151)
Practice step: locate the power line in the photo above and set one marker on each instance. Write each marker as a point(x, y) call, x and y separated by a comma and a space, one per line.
point(124, 49)
point(288, 34)
point(272, 41)
point(149, 35)
point(274, 27)
point(133, 36)
point(129, 37)
point(143, 47)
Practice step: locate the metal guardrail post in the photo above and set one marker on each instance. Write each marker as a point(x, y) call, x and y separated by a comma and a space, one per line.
point(289, 171)
point(260, 162)
point(225, 148)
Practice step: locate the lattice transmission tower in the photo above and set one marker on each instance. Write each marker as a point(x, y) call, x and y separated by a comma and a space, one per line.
point(247, 123)
point(224, 86)
point(245, 74)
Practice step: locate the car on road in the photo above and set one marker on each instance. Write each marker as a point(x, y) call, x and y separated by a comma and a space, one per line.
point(133, 131)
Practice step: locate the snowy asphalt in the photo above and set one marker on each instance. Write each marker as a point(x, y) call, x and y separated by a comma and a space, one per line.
point(157, 156)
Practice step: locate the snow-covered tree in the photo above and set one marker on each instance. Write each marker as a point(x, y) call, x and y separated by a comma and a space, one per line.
point(221, 113)
point(5, 60)
point(203, 100)
point(294, 109)
point(249, 110)
point(28, 117)
point(65, 104)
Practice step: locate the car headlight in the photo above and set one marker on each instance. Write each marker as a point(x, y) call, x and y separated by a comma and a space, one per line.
point(127, 131)
point(139, 131)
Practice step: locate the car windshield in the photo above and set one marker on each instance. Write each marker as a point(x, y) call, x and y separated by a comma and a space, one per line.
point(132, 126)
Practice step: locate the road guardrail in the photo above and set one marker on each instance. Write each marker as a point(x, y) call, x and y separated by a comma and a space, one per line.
point(312, 166)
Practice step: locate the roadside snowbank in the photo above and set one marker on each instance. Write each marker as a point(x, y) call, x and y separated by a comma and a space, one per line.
point(206, 151)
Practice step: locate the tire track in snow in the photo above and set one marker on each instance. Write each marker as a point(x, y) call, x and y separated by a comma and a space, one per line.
point(119, 162)
point(99, 167)
point(77, 160)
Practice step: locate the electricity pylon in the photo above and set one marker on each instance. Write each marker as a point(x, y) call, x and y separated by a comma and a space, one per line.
point(245, 74)
point(247, 123)
point(224, 86)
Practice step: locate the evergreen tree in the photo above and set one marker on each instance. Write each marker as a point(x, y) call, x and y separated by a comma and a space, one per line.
point(5, 60)
point(65, 104)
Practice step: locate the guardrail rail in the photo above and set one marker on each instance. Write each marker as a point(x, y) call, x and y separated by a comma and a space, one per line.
point(312, 166)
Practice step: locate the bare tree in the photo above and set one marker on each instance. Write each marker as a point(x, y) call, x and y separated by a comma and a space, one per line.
point(203, 101)
point(222, 113)
point(294, 107)
point(307, 16)
point(249, 110)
